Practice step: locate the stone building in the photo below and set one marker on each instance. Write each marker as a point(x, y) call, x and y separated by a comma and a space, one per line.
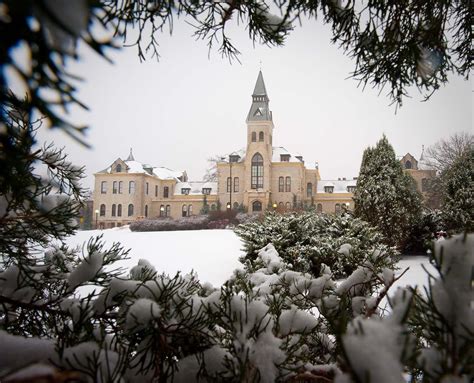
point(256, 178)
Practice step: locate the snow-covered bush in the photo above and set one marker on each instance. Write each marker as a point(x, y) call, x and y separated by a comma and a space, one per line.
point(306, 241)
point(424, 231)
point(196, 222)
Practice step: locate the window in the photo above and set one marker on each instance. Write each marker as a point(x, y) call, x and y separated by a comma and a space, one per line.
point(281, 184)
point(166, 192)
point(288, 206)
point(329, 189)
point(120, 188)
point(351, 189)
point(284, 157)
point(146, 187)
point(256, 206)
point(254, 136)
point(206, 191)
point(185, 191)
point(234, 158)
point(281, 206)
point(118, 168)
point(168, 211)
point(156, 190)
point(213, 207)
point(131, 187)
point(103, 187)
point(102, 210)
point(146, 210)
point(114, 208)
point(119, 210)
point(337, 209)
point(236, 205)
point(236, 184)
point(162, 210)
point(424, 184)
point(257, 171)
point(288, 184)
point(229, 184)
point(319, 208)
point(261, 136)
point(114, 187)
point(408, 165)
point(190, 210)
point(309, 189)
point(130, 210)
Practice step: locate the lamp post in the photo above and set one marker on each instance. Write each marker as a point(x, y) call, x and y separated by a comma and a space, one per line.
point(96, 217)
point(229, 205)
point(274, 205)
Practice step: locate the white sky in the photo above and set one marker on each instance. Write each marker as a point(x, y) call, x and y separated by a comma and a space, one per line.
point(189, 106)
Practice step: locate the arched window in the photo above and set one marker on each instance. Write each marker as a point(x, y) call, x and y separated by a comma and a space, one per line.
point(102, 210)
point(257, 171)
point(254, 136)
point(236, 184)
point(309, 189)
point(120, 189)
point(229, 184)
point(166, 192)
point(131, 187)
point(114, 187)
point(114, 208)
point(184, 211)
point(288, 206)
point(146, 210)
point(236, 205)
point(119, 210)
point(337, 208)
point(213, 207)
point(162, 210)
point(261, 136)
point(168, 211)
point(288, 184)
point(118, 168)
point(190, 210)
point(319, 208)
point(103, 187)
point(281, 184)
point(130, 210)
point(281, 206)
point(256, 206)
point(408, 165)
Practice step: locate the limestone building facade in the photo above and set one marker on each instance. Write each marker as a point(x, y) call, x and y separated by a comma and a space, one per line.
point(256, 178)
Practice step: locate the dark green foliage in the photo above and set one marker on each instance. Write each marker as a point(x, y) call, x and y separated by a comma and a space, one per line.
point(424, 231)
point(386, 196)
point(308, 240)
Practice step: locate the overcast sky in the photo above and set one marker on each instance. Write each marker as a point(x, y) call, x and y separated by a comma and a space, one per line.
point(189, 106)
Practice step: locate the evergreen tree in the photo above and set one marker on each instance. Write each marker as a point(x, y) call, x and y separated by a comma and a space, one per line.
point(458, 193)
point(386, 196)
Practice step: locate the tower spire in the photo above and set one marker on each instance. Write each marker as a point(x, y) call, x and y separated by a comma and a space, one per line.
point(130, 156)
point(259, 110)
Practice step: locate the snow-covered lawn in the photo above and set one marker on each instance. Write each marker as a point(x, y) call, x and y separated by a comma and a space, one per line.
point(213, 254)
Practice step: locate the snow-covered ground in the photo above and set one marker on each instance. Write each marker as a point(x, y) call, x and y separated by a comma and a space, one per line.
point(213, 254)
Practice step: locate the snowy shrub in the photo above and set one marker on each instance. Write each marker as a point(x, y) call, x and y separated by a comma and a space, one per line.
point(424, 231)
point(306, 241)
point(197, 222)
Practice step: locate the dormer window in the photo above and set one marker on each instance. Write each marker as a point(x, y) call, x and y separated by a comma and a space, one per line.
point(234, 158)
point(284, 157)
point(185, 191)
point(206, 191)
point(118, 168)
point(299, 158)
point(329, 189)
point(351, 189)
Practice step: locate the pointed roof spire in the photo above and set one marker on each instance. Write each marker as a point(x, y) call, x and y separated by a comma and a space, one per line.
point(260, 109)
point(130, 156)
point(260, 89)
point(422, 152)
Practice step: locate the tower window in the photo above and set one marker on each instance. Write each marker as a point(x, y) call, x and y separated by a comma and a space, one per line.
point(261, 136)
point(254, 136)
point(257, 171)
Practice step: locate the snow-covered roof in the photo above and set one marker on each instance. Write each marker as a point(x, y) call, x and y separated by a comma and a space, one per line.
point(340, 186)
point(137, 167)
point(276, 156)
point(195, 187)
point(167, 174)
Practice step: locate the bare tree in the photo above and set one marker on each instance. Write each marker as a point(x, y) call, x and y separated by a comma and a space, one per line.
point(444, 153)
point(211, 171)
